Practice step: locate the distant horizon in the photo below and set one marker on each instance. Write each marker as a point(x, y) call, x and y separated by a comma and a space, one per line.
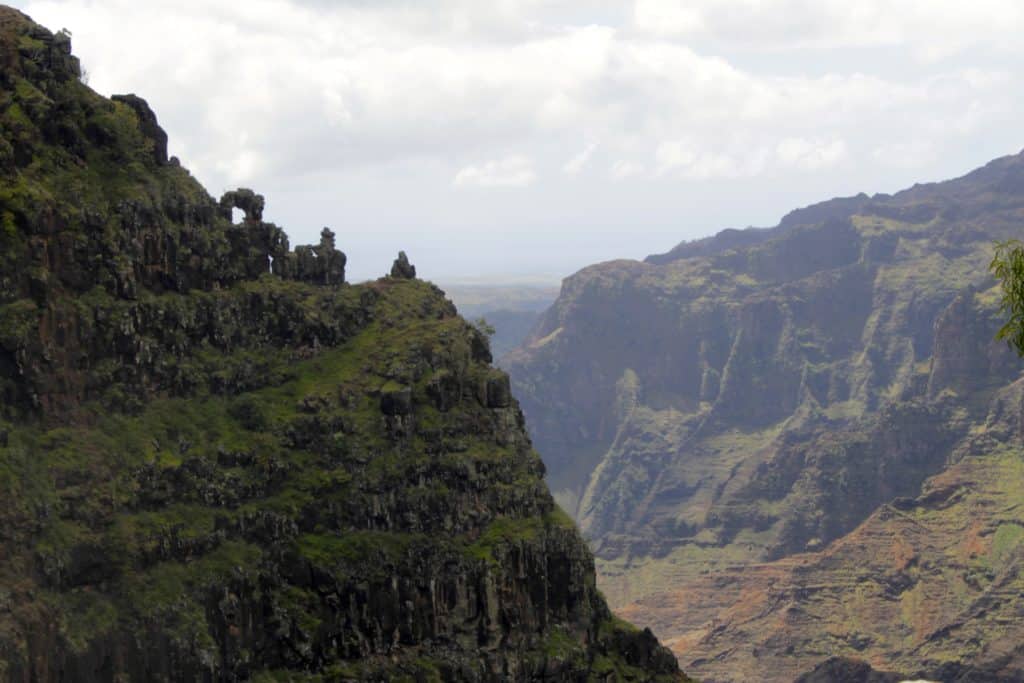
point(541, 280)
point(500, 280)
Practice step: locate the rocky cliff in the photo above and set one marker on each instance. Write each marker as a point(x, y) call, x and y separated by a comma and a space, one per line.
point(221, 462)
point(763, 395)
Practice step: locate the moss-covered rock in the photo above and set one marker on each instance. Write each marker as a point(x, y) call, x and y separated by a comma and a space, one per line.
point(219, 461)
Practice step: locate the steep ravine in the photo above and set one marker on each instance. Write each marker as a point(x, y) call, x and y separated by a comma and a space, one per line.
point(221, 462)
point(717, 412)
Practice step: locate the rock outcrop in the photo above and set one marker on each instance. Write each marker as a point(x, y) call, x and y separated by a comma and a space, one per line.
point(148, 126)
point(401, 269)
point(244, 199)
point(221, 462)
point(321, 264)
point(715, 412)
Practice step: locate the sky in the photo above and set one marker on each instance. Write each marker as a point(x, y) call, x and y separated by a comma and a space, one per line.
point(515, 140)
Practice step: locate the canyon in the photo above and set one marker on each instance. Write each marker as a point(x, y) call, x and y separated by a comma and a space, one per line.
point(802, 442)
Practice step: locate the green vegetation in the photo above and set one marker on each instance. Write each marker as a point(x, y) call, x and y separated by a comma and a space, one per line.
point(213, 471)
point(1005, 544)
point(356, 547)
point(484, 327)
point(1008, 267)
point(508, 530)
point(175, 496)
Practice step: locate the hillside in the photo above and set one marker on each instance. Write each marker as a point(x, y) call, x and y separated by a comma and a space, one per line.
point(219, 461)
point(738, 423)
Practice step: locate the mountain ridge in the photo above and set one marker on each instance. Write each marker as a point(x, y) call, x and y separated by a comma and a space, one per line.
point(222, 462)
point(838, 207)
point(755, 396)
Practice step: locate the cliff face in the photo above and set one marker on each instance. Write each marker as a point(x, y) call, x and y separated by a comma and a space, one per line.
point(219, 461)
point(928, 586)
point(760, 394)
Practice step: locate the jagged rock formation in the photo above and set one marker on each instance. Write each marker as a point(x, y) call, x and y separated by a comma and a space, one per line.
point(244, 199)
point(401, 269)
point(149, 127)
point(321, 264)
point(219, 462)
point(716, 412)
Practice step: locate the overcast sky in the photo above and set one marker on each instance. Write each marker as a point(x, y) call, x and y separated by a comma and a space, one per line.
point(511, 138)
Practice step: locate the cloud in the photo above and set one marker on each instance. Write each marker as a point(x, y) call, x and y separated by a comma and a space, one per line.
point(696, 160)
point(578, 162)
point(513, 171)
point(810, 155)
point(297, 88)
point(426, 99)
point(930, 29)
point(910, 154)
point(667, 18)
point(623, 169)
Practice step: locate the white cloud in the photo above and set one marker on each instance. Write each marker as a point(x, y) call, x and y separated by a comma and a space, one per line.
point(623, 169)
point(810, 155)
point(301, 87)
point(931, 29)
point(696, 160)
point(243, 166)
point(513, 171)
point(424, 99)
point(578, 162)
point(667, 18)
point(911, 154)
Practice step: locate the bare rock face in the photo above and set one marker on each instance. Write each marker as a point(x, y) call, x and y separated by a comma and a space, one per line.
point(221, 462)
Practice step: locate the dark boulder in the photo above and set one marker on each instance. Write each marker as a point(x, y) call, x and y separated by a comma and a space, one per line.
point(401, 269)
point(396, 401)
